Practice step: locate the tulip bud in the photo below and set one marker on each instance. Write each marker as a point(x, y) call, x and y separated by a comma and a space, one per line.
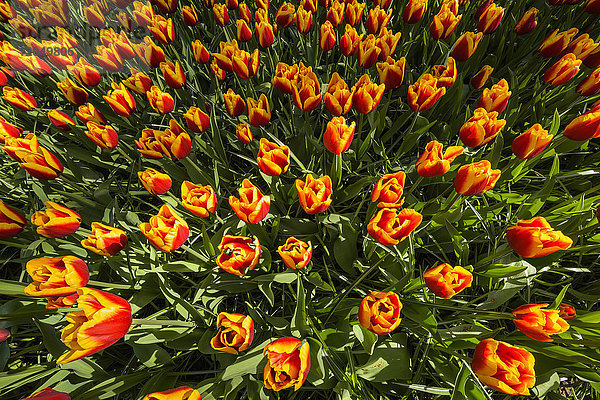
point(391, 73)
point(85, 73)
point(586, 126)
point(304, 20)
point(143, 13)
point(32, 157)
point(199, 200)
point(61, 120)
point(173, 142)
point(245, 13)
point(531, 142)
point(197, 120)
point(380, 312)
point(120, 100)
point(273, 160)
point(88, 112)
point(243, 32)
point(259, 111)
point(424, 93)
point(288, 363)
point(327, 38)
point(367, 95)
point(338, 136)
point(155, 182)
point(264, 34)
point(582, 47)
point(109, 58)
point(338, 97)
point(536, 238)
point(105, 240)
point(162, 29)
point(295, 253)
point(309, 5)
point(285, 15)
point(446, 281)
point(563, 70)
point(377, 19)
point(307, 91)
point(243, 133)
point(354, 12)
point(539, 323)
point(445, 74)
point(314, 194)
point(590, 85)
point(236, 332)
point(496, 98)
point(350, 42)
point(435, 163)
point(56, 276)
point(386, 41)
point(284, 76)
point(166, 231)
point(20, 99)
point(239, 254)
point(188, 13)
point(567, 312)
point(388, 190)
point(368, 52)
point(480, 79)
point(476, 178)
point(390, 228)
point(173, 74)
point(444, 23)
point(466, 45)
point(252, 206)
point(8, 130)
point(103, 135)
point(234, 103)
point(556, 42)
point(160, 101)
point(12, 222)
point(414, 11)
point(527, 23)
point(335, 13)
point(220, 13)
point(490, 18)
point(139, 82)
point(481, 128)
point(201, 55)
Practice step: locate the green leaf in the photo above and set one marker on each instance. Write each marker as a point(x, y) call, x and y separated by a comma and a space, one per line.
point(299, 325)
point(367, 339)
point(390, 360)
point(151, 355)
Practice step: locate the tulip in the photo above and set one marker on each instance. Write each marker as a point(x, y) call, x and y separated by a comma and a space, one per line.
point(89, 113)
point(327, 36)
point(199, 200)
point(261, 15)
point(56, 220)
point(295, 253)
point(584, 127)
point(236, 332)
point(285, 15)
point(20, 99)
point(527, 23)
point(105, 240)
point(506, 368)
point(63, 36)
point(314, 194)
point(160, 101)
point(234, 104)
point(201, 55)
point(32, 157)
point(138, 82)
point(245, 13)
point(273, 160)
point(338, 136)
point(259, 111)
point(150, 53)
point(284, 76)
point(433, 163)
point(239, 254)
point(120, 100)
point(8, 130)
point(36, 66)
point(335, 13)
point(379, 312)
point(103, 135)
point(94, 16)
point(444, 23)
point(592, 7)
point(4, 334)
point(567, 312)
point(446, 281)
point(480, 79)
point(367, 94)
point(424, 93)
point(391, 72)
point(445, 74)
point(350, 41)
point(162, 29)
point(231, 4)
point(75, 94)
point(496, 98)
point(354, 12)
point(536, 238)
point(390, 228)
point(476, 178)
point(104, 319)
point(56, 276)
point(563, 70)
point(264, 34)
point(288, 363)
point(166, 231)
point(220, 13)
point(166, 6)
point(252, 206)
point(179, 393)
point(338, 97)
point(243, 32)
point(61, 120)
point(556, 42)
point(48, 394)
point(414, 11)
point(85, 73)
point(154, 181)
point(309, 5)
point(143, 14)
point(490, 18)
point(304, 20)
point(531, 142)
point(368, 52)
point(197, 120)
point(388, 190)
point(466, 45)
point(245, 65)
point(12, 222)
point(582, 47)
point(590, 85)
point(173, 74)
point(307, 91)
point(243, 133)
point(174, 142)
point(125, 21)
point(386, 42)
point(377, 19)
point(109, 58)
point(481, 128)
point(539, 323)
point(188, 13)
point(225, 57)
point(6, 11)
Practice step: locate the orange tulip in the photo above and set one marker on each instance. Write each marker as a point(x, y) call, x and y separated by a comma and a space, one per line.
point(259, 111)
point(236, 332)
point(481, 128)
point(125, 21)
point(386, 42)
point(377, 19)
point(166, 231)
point(75, 94)
point(85, 73)
point(189, 15)
point(234, 104)
point(8, 130)
point(105, 240)
point(480, 79)
point(166, 6)
point(120, 100)
point(582, 47)
point(143, 13)
point(61, 120)
point(563, 70)
point(56, 276)
point(89, 113)
point(104, 318)
point(446, 281)
point(424, 93)
point(32, 157)
point(243, 133)
point(264, 33)
point(584, 127)
point(388, 190)
point(567, 312)
point(154, 181)
point(173, 74)
point(285, 15)
point(354, 12)
point(476, 178)
point(179, 393)
point(20, 99)
point(379, 312)
point(368, 52)
point(161, 102)
point(36, 66)
point(252, 206)
point(273, 160)
point(149, 53)
point(109, 58)
point(94, 15)
point(539, 323)
point(162, 29)
point(12, 222)
point(536, 238)
point(48, 394)
point(338, 136)
point(314, 194)
point(367, 94)
point(138, 82)
point(556, 42)
point(295, 253)
point(309, 5)
point(444, 23)
point(284, 76)
point(199, 200)
point(414, 11)
point(261, 15)
point(118, 44)
point(338, 97)
point(435, 163)
point(350, 41)
point(304, 20)
point(466, 45)
point(239, 254)
point(489, 19)
point(243, 32)
point(527, 23)
point(590, 85)
point(220, 13)
point(390, 228)
point(244, 64)
point(445, 74)
point(496, 98)
point(22, 27)
point(6, 11)
point(531, 142)
point(506, 368)
point(201, 55)
point(307, 90)
point(174, 142)
point(327, 36)
point(335, 13)
point(288, 363)
point(56, 220)
point(197, 120)
point(103, 135)
point(391, 72)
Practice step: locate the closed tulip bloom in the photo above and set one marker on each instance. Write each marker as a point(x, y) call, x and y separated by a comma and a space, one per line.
point(433, 162)
point(584, 127)
point(35, 65)
point(120, 100)
point(388, 190)
point(259, 111)
point(56, 220)
point(56, 276)
point(85, 73)
point(103, 135)
point(386, 41)
point(327, 36)
point(285, 15)
point(354, 12)
point(243, 133)
point(160, 101)
point(490, 18)
point(368, 52)
point(536, 238)
point(306, 91)
point(199, 200)
point(75, 94)
point(252, 206)
point(174, 142)
point(273, 160)
point(288, 364)
point(445, 74)
point(480, 79)
point(8, 130)
point(590, 85)
point(221, 14)
point(377, 19)
point(476, 178)
point(154, 181)
point(338, 97)
point(446, 281)
point(239, 254)
point(166, 6)
point(173, 74)
point(245, 12)
point(105, 240)
point(166, 231)
point(188, 13)
point(138, 82)
point(18, 98)
point(264, 34)
point(314, 194)
point(179, 393)
point(335, 13)
point(284, 76)
point(391, 72)
point(109, 58)
point(32, 157)
point(466, 45)
point(563, 70)
point(231, 4)
point(304, 20)
point(537, 322)
point(104, 318)
point(261, 15)
point(379, 312)
point(309, 5)
point(531, 142)
point(481, 128)
point(48, 394)
point(556, 42)
point(143, 13)
point(117, 43)
point(389, 227)
point(367, 94)
point(197, 120)
point(88, 112)
point(125, 21)
point(201, 55)
point(338, 136)
point(506, 368)
point(94, 15)
point(582, 47)
point(6, 11)
point(162, 29)
point(424, 93)
point(350, 41)
point(567, 312)
point(243, 32)
point(236, 332)
point(244, 64)
point(149, 53)
point(61, 120)
point(592, 7)
point(527, 23)
point(444, 23)
point(295, 253)
point(12, 222)
point(414, 11)
point(496, 98)
point(234, 104)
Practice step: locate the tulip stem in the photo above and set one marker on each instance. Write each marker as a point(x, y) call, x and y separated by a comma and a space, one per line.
point(495, 256)
point(162, 322)
point(497, 314)
point(456, 197)
point(510, 165)
point(109, 285)
point(414, 186)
